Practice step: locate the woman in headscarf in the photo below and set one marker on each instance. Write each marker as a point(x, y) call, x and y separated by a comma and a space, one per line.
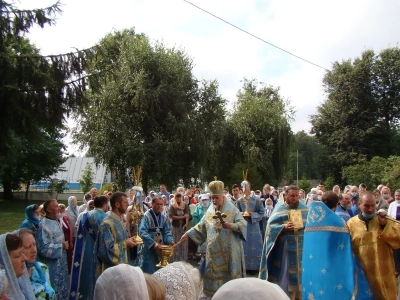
point(72, 213)
point(12, 260)
point(179, 213)
point(121, 282)
point(32, 215)
point(251, 289)
point(181, 280)
point(38, 272)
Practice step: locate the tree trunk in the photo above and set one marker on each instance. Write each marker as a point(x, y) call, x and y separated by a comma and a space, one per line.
point(8, 194)
point(28, 184)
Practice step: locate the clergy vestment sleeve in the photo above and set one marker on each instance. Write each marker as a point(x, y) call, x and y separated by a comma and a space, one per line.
point(198, 233)
point(108, 250)
point(167, 234)
point(242, 224)
point(257, 215)
point(45, 248)
point(391, 234)
point(147, 238)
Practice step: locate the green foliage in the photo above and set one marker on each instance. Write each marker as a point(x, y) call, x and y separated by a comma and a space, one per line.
point(236, 176)
point(304, 184)
point(153, 113)
point(373, 172)
point(87, 178)
point(260, 127)
point(31, 160)
point(57, 186)
point(329, 183)
point(106, 187)
point(362, 109)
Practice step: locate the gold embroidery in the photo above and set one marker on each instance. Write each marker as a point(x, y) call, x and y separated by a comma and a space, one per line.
point(326, 228)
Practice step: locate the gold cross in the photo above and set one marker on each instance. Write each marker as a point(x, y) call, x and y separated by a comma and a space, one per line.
point(220, 216)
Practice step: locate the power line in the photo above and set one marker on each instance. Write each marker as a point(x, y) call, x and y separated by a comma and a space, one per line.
point(290, 53)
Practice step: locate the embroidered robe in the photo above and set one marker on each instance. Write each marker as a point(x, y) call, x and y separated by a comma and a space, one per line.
point(153, 229)
point(224, 259)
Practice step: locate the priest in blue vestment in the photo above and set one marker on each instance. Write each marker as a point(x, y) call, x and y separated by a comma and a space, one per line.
point(330, 269)
point(112, 243)
point(154, 231)
point(224, 229)
point(283, 245)
point(252, 211)
point(51, 246)
point(82, 266)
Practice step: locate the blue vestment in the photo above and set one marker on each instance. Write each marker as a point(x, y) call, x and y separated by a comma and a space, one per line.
point(282, 250)
point(82, 267)
point(153, 229)
point(49, 239)
point(253, 245)
point(224, 258)
point(330, 270)
point(344, 214)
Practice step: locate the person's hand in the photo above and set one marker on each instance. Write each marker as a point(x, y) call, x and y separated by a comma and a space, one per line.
point(289, 226)
point(157, 246)
point(184, 226)
point(130, 243)
point(172, 243)
point(382, 217)
point(65, 245)
point(226, 225)
point(184, 238)
point(186, 216)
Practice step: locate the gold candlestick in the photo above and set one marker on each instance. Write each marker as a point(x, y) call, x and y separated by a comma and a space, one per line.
point(136, 215)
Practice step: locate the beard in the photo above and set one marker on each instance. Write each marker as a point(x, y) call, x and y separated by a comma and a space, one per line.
point(121, 210)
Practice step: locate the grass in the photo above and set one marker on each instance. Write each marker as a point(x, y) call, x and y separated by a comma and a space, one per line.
point(12, 213)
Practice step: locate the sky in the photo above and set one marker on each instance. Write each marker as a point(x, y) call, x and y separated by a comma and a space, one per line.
point(319, 31)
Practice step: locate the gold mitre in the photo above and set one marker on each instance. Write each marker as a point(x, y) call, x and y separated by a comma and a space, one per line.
point(216, 187)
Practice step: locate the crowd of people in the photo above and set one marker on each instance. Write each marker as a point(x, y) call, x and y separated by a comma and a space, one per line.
point(316, 245)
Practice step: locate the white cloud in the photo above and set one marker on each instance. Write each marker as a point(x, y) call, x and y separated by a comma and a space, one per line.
point(320, 31)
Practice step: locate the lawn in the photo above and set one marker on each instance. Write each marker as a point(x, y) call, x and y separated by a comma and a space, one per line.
point(12, 213)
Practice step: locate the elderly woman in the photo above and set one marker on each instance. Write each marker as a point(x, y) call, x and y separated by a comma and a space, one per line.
point(12, 260)
point(312, 196)
point(72, 213)
point(122, 282)
point(179, 213)
point(336, 190)
point(32, 218)
point(250, 288)
point(38, 272)
point(181, 280)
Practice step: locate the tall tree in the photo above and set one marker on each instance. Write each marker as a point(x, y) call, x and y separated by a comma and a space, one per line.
point(362, 108)
point(153, 114)
point(260, 122)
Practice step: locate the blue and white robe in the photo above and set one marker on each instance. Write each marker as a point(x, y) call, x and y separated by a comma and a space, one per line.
point(282, 250)
point(253, 245)
point(153, 229)
point(82, 266)
point(49, 239)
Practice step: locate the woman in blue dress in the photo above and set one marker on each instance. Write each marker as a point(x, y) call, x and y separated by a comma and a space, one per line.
point(38, 272)
point(32, 218)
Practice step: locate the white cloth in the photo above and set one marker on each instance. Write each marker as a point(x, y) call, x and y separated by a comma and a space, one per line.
point(121, 282)
point(177, 281)
point(250, 289)
point(392, 211)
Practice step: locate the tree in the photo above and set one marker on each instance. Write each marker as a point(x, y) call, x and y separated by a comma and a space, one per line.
point(57, 186)
point(360, 114)
point(86, 181)
point(37, 92)
point(260, 123)
point(31, 160)
point(304, 184)
point(153, 113)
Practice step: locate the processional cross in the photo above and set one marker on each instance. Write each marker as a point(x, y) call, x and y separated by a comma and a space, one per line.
point(220, 216)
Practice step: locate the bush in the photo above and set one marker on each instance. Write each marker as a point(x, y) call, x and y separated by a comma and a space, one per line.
point(106, 187)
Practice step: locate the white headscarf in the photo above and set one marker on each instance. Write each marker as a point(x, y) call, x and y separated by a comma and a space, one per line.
point(18, 288)
point(177, 281)
point(121, 282)
point(250, 289)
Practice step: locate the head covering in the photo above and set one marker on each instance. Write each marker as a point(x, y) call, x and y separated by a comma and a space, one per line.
point(72, 208)
point(216, 187)
point(2, 281)
point(30, 219)
point(205, 197)
point(18, 288)
point(121, 282)
point(251, 289)
point(177, 281)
